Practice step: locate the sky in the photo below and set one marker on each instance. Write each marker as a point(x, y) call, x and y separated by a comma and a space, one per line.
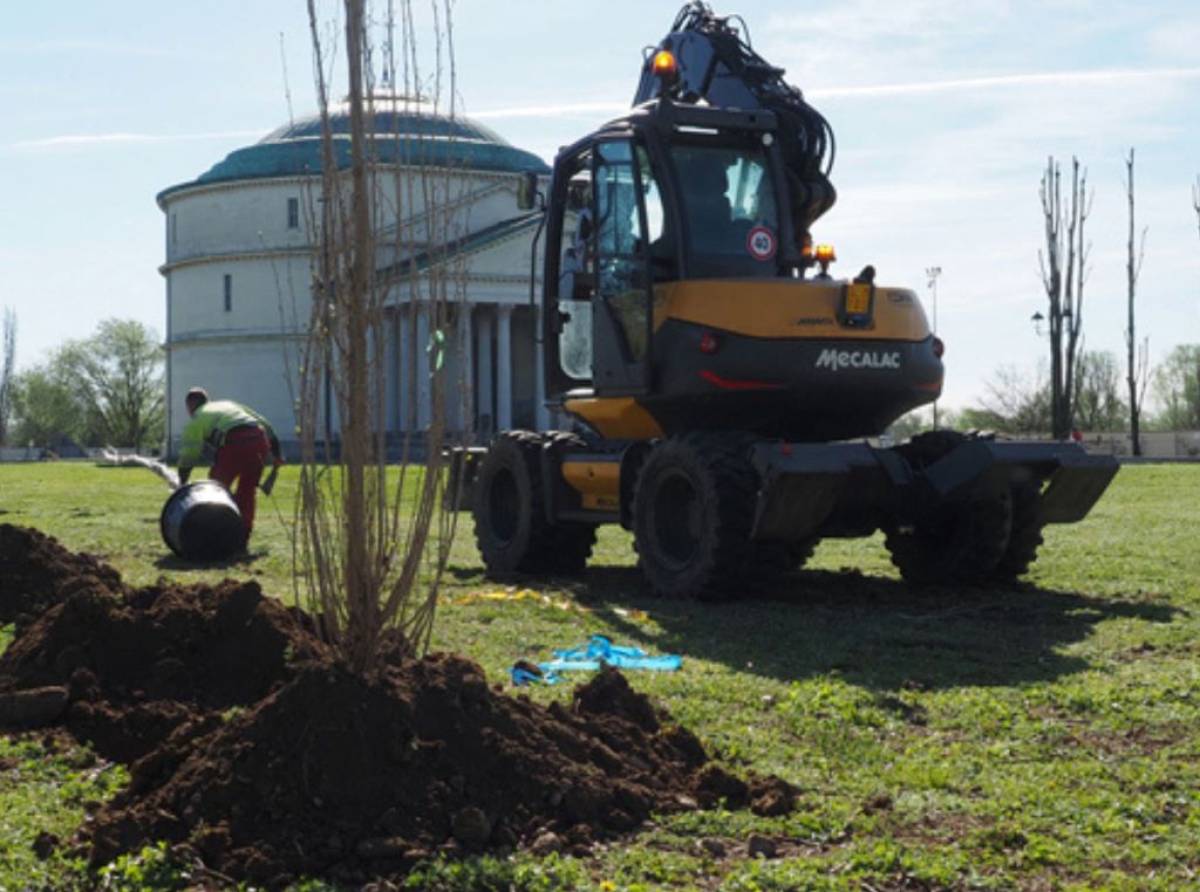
point(945, 113)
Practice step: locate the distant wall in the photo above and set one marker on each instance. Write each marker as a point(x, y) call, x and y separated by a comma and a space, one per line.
point(20, 453)
point(1155, 444)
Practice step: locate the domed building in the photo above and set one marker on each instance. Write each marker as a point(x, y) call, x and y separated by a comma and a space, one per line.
point(243, 238)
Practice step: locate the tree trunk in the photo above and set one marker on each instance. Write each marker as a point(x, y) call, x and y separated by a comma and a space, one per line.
point(1134, 369)
point(1064, 270)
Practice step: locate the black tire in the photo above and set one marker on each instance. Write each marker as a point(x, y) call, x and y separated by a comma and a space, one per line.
point(510, 524)
point(961, 542)
point(568, 548)
point(770, 560)
point(1025, 537)
point(511, 529)
point(692, 513)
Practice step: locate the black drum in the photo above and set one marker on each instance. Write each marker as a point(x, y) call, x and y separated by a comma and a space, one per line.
point(201, 522)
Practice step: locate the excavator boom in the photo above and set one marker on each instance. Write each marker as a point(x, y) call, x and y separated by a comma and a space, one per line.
point(717, 64)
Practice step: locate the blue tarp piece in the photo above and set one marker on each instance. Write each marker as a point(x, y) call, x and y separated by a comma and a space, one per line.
point(599, 651)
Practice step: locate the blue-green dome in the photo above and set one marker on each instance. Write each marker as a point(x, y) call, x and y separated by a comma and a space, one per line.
point(405, 137)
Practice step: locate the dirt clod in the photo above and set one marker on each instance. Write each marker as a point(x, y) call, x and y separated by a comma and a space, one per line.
point(33, 707)
point(771, 797)
point(759, 846)
point(44, 845)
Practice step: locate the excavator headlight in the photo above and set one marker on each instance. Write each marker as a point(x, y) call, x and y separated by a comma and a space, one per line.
point(825, 254)
point(664, 65)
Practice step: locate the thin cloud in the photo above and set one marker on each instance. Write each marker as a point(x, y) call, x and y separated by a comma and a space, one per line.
point(83, 45)
point(100, 139)
point(553, 111)
point(1118, 75)
point(1035, 79)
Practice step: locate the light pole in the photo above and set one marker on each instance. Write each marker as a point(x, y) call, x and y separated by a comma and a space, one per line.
point(931, 275)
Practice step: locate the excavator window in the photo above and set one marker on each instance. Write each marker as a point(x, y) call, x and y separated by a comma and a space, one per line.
point(621, 244)
point(577, 275)
point(729, 210)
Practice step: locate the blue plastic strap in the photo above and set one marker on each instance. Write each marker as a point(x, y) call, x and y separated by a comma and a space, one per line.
point(600, 651)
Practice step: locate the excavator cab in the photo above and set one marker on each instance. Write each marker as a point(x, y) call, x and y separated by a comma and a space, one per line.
point(664, 195)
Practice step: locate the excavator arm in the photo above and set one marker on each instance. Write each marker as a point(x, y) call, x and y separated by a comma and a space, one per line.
point(716, 64)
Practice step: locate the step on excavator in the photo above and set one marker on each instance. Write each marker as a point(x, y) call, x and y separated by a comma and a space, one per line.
point(724, 388)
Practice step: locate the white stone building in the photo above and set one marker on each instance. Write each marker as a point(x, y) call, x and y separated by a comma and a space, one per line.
point(240, 244)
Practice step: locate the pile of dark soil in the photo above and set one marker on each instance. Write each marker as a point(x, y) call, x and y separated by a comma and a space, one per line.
point(140, 663)
point(337, 776)
point(36, 571)
point(253, 750)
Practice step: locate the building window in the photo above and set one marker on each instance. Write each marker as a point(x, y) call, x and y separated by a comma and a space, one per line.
point(174, 228)
point(228, 292)
point(293, 213)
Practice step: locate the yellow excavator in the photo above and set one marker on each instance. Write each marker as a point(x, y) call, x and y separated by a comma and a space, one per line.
point(722, 384)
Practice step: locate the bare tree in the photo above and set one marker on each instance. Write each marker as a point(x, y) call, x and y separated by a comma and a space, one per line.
point(370, 549)
point(1012, 403)
point(1177, 385)
point(1137, 369)
point(8, 364)
point(1196, 200)
point(1098, 403)
point(1064, 268)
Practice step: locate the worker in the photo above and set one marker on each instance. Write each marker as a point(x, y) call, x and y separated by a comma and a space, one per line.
point(706, 198)
point(235, 440)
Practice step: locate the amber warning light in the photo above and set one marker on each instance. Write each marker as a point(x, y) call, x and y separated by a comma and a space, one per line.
point(664, 65)
point(825, 255)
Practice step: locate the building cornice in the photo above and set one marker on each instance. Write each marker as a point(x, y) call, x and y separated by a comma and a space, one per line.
point(234, 256)
point(190, 190)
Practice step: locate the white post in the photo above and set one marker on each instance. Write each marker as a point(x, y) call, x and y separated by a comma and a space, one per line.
point(504, 390)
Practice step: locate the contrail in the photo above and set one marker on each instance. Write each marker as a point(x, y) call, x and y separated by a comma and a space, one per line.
point(88, 139)
point(1010, 80)
point(1033, 79)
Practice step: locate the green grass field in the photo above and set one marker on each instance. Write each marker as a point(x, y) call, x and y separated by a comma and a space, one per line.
point(1036, 738)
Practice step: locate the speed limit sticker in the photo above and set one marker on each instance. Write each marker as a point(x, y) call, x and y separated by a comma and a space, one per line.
point(760, 242)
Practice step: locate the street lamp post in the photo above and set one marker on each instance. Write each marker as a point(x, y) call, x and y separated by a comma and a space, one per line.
point(931, 275)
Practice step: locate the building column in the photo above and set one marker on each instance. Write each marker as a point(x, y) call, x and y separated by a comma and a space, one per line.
point(466, 370)
point(424, 397)
point(504, 389)
point(404, 358)
point(485, 386)
point(391, 336)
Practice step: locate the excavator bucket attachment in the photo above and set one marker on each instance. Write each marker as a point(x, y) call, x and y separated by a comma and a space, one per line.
point(846, 489)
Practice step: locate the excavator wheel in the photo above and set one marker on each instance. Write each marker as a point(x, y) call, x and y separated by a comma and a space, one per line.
point(692, 514)
point(770, 560)
point(510, 522)
point(569, 544)
point(1026, 534)
point(961, 542)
